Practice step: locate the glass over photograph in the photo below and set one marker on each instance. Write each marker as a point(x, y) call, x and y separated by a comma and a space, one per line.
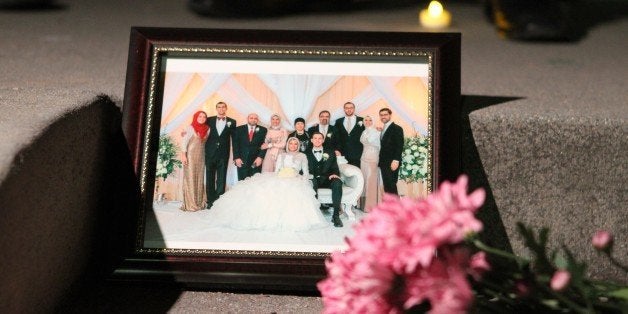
point(283, 155)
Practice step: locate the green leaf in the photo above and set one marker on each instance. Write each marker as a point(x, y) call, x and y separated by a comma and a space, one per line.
point(620, 294)
point(543, 236)
point(560, 261)
point(542, 262)
point(551, 303)
point(576, 269)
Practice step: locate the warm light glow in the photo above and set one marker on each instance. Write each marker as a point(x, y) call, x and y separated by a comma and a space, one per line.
point(435, 8)
point(435, 16)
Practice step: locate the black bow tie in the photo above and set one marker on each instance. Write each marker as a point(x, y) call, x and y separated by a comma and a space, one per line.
point(317, 152)
point(221, 119)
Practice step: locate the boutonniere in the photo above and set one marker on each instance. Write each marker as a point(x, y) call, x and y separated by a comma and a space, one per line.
point(360, 123)
point(329, 134)
point(325, 156)
point(256, 129)
point(228, 123)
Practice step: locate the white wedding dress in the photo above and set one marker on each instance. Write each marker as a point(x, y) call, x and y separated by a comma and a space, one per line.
point(279, 201)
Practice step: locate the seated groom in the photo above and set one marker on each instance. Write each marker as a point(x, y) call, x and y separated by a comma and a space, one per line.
point(324, 170)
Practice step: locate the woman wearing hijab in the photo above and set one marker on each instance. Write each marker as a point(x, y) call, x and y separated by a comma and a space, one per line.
point(368, 164)
point(275, 142)
point(292, 160)
point(272, 201)
point(193, 159)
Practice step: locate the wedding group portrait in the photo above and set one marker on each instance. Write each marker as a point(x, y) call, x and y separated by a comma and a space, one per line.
point(283, 156)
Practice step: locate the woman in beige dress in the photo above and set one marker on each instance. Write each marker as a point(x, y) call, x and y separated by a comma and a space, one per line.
point(368, 164)
point(193, 159)
point(274, 144)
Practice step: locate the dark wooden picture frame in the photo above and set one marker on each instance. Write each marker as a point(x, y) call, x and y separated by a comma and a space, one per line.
point(269, 270)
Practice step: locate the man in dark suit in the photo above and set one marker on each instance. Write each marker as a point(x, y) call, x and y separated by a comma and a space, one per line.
point(349, 130)
point(217, 149)
point(325, 173)
point(390, 151)
point(247, 147)
point(329, 132)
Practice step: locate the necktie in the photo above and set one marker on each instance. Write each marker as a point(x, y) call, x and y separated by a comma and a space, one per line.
point(250, 134)
point(349, 124)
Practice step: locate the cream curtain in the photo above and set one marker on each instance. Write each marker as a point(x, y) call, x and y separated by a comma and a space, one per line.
point(297, 94)
point(212, 83)
point(386, 87)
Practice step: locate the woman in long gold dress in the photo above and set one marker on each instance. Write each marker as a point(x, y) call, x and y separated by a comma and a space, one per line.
point(193, 159)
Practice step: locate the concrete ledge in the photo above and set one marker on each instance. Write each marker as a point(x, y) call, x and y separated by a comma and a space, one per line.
point(52, 202)
point(565, 174)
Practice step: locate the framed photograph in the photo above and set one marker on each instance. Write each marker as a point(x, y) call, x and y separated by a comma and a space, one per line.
point(227, 197)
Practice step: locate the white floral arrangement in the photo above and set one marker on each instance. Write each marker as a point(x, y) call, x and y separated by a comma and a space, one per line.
point(228, 123)
point(325, 156)
point(166, 157)
point(360, 123)
point(414, 159)
point(287, 172)
point(329, 134)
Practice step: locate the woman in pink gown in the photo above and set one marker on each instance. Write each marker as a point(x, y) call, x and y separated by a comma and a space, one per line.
point(274, 144)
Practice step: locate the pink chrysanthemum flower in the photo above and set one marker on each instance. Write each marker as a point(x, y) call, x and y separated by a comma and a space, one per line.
point(356, 284)
point(406, 252)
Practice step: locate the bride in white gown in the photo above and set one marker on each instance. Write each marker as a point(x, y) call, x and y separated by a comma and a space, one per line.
point(280, 201)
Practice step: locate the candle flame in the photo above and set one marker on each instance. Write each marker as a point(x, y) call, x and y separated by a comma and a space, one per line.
point(435, 8)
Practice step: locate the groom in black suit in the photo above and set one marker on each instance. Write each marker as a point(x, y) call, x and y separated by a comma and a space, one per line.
point(217, 150)
point(247, 147)
point(390, 151)
point(324, 170)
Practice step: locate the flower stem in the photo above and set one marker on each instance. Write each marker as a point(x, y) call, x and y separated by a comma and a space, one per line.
point(575, 307)
point(480, 245)
point(494, 291)
point(616, 262)
point(587, 299)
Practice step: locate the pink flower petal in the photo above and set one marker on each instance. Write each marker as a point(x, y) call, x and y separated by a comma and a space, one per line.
point(479, 265)
point(560, 280)
point(602, 240)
